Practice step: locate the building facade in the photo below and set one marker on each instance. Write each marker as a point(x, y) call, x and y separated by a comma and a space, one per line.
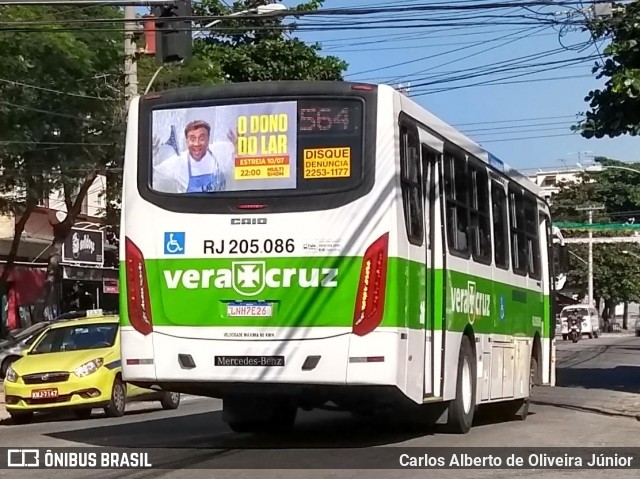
point(551, 179)
point(89, 263)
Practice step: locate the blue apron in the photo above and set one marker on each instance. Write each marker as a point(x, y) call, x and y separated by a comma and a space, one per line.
point(206, 182)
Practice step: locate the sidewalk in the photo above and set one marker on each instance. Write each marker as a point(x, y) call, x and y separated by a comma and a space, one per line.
point(622, 332)
point(603, 401)
point(615, 334)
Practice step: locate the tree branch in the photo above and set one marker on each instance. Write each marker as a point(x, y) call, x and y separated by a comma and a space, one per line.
point(30, 206)
point(74, 207)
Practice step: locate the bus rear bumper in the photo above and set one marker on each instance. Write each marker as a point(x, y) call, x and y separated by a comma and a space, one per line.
point(338, 358)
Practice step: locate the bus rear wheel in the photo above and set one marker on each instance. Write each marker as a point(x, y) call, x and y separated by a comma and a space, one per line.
point(462, 408)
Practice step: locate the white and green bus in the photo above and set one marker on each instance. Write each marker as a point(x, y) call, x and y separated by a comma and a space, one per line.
point(301, 245)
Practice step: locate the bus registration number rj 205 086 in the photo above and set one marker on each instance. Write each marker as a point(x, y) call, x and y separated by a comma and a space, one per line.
point(253, 246)
point(250, 309)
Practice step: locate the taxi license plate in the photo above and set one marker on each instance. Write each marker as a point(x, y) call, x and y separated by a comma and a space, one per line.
point(44, 393)
point(251, 310)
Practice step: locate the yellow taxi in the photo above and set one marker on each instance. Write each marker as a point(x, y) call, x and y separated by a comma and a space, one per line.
point(75, 364)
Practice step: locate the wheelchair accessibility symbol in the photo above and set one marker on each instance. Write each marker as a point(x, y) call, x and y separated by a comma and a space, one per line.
point(174, 243)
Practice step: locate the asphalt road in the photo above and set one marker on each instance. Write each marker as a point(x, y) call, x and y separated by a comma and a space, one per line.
point(608, 365)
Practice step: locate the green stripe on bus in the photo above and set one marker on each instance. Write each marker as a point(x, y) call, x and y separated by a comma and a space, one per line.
point(321, 292)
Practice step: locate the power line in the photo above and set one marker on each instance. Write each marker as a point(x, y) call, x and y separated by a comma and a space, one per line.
point(494, 82)
point(503, 69)
point(491, 48)
point(428, 57)
point(78, 95)
point(340, 49)
point(513, 127)
point(514, 120)
point(525, 138)
point(351, 11)
point(48, 112)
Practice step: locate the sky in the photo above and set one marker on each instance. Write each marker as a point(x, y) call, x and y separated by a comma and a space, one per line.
point(526, 120)
point(485, 113)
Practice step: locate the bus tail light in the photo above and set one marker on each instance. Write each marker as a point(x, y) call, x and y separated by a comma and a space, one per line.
point(371, 289)
point(137, 289)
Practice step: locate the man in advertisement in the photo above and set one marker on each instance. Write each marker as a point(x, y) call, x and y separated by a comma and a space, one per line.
point(197, 169)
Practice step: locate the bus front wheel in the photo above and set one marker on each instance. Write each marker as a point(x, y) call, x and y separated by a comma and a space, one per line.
point(462, 408)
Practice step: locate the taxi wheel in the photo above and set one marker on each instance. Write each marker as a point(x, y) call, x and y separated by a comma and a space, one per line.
point(21, 417)
point(170, 400)
point(118, 400)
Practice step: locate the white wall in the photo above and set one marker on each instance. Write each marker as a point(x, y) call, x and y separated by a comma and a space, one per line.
point(94, 203)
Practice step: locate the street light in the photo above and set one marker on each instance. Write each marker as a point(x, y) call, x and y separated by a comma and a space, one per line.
point(599, 168)
point(260, 10)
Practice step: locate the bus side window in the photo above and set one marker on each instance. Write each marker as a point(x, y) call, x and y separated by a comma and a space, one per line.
point(456, 192)
point(500, 225)
point(480, 223)
point(411, 184)
point(518, 236)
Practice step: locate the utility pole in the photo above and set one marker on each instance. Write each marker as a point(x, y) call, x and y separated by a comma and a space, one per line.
point(130, 55)
point(590, 209)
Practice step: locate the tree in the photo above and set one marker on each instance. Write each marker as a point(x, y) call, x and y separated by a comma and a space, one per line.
point(60, 113)
point(245, 50)
point(616, 276)
point(615, 109)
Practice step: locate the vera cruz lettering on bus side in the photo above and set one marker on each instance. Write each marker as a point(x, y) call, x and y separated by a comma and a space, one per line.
point(470, 301)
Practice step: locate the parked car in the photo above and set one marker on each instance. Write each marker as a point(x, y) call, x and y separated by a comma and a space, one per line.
point(18, 341)
point(591, 320)
point(75, 365)
point(638, 326)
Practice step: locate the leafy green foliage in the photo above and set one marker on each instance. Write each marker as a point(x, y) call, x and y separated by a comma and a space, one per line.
point(615, 109)
point(60, 101)
point(61, 107)
point(616, 276)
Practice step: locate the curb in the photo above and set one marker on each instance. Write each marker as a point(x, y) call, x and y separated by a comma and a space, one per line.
point(595, 410)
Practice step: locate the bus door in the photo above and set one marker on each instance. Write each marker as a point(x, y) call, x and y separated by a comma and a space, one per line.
point(549, 291)
point(430, 151)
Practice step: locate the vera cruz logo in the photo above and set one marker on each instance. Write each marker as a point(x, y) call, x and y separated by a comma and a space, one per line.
point(470, 301)
point(250, 278)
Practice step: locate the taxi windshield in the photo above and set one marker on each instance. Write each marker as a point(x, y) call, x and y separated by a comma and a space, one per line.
point(77, 338)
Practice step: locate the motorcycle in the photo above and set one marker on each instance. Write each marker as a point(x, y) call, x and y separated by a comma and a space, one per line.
point(575, 328)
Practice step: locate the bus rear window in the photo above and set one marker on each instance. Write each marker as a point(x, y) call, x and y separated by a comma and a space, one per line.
point(278, 148)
